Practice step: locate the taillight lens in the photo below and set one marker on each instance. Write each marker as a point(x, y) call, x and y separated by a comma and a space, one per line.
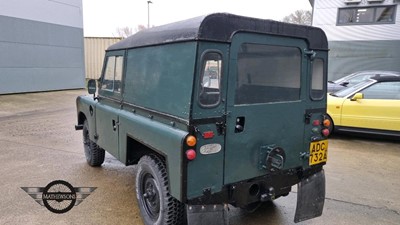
point(325, 132)
point(327, 123)
point(316, 123)
point(191, 141)
point(190, 154)
point(208, 134)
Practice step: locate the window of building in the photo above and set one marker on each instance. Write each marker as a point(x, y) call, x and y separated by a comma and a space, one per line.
point(367, 15)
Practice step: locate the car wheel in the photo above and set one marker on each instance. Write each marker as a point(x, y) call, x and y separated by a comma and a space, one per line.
point(156, 204)
point(93, 153)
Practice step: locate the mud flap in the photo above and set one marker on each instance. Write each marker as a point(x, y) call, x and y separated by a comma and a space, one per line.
point(310, 197)
point(207, 214)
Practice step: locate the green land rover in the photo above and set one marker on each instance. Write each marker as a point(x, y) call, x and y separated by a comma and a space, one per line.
point(214, 110)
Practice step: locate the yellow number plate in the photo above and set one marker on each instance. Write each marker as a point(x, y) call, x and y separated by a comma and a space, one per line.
point(318, 152)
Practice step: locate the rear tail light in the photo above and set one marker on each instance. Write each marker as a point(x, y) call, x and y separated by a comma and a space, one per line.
point(325, 132)
point(190, 147)
point(191, 141)
point(327, 123)
point(316, 123)
point(321, 126)
point(208, 134)
point(190, 154)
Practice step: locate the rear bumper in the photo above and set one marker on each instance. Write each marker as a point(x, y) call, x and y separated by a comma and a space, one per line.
point(264, 188)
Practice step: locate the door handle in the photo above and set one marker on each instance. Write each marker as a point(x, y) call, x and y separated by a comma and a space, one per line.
point(239, 127)
point(114, 124)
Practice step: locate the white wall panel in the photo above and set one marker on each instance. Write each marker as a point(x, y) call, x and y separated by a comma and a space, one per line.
point(41, 45)
point(61, 12)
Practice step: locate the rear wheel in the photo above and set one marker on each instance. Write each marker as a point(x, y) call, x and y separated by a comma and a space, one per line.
point(93, 153)
point(156, 204)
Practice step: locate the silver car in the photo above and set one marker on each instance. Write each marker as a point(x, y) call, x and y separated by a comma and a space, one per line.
point(357, 77)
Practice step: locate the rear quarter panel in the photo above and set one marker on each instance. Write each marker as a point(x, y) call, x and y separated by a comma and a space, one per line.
point(164, 139)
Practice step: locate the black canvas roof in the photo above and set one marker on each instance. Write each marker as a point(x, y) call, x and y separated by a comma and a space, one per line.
point(220, 27)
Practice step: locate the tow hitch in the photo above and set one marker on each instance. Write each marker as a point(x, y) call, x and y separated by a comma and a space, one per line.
point(310, 197)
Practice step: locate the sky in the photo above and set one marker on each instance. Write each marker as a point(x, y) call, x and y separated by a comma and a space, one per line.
point(102, 18)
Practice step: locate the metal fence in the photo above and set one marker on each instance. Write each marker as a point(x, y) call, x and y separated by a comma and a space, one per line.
point(94, 54)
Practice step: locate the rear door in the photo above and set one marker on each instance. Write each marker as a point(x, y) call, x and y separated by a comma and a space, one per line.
point(208, 117)
point(264, 107)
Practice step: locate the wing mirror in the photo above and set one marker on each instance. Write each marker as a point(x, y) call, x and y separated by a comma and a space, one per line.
point(357, 96)
point(91, 86)
point(345, 83)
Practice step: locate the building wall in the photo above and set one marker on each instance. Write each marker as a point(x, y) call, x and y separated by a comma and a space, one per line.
point(94, 54)
point(41, 45)
point(358, 47)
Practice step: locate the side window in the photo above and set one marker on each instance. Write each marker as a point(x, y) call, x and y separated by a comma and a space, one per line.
point(317, 79)
point(209, 94)
point(358, 79)
point(113, 74)
point(267, 73)
point(384, 90)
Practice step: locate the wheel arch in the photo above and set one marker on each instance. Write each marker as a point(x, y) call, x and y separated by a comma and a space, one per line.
point(136, 150)
point(81, 118)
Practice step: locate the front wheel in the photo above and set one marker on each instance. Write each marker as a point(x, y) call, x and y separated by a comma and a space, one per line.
point(93, 153)
point(156, 204)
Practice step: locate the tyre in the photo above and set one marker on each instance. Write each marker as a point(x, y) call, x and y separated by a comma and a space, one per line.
point(93, 153)
point(157, 206)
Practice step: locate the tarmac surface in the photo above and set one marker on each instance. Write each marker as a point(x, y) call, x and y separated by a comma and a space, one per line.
point(38, 144)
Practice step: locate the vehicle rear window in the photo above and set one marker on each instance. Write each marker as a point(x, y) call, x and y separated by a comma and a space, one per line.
point(267, 73)
point(317, 79)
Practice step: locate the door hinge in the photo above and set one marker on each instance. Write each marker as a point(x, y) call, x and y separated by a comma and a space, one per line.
point(307, 117)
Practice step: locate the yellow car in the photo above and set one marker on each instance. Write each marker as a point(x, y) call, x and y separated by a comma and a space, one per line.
point(370, 107)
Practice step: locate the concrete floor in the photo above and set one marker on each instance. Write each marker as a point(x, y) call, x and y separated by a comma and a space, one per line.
point(38, 144)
